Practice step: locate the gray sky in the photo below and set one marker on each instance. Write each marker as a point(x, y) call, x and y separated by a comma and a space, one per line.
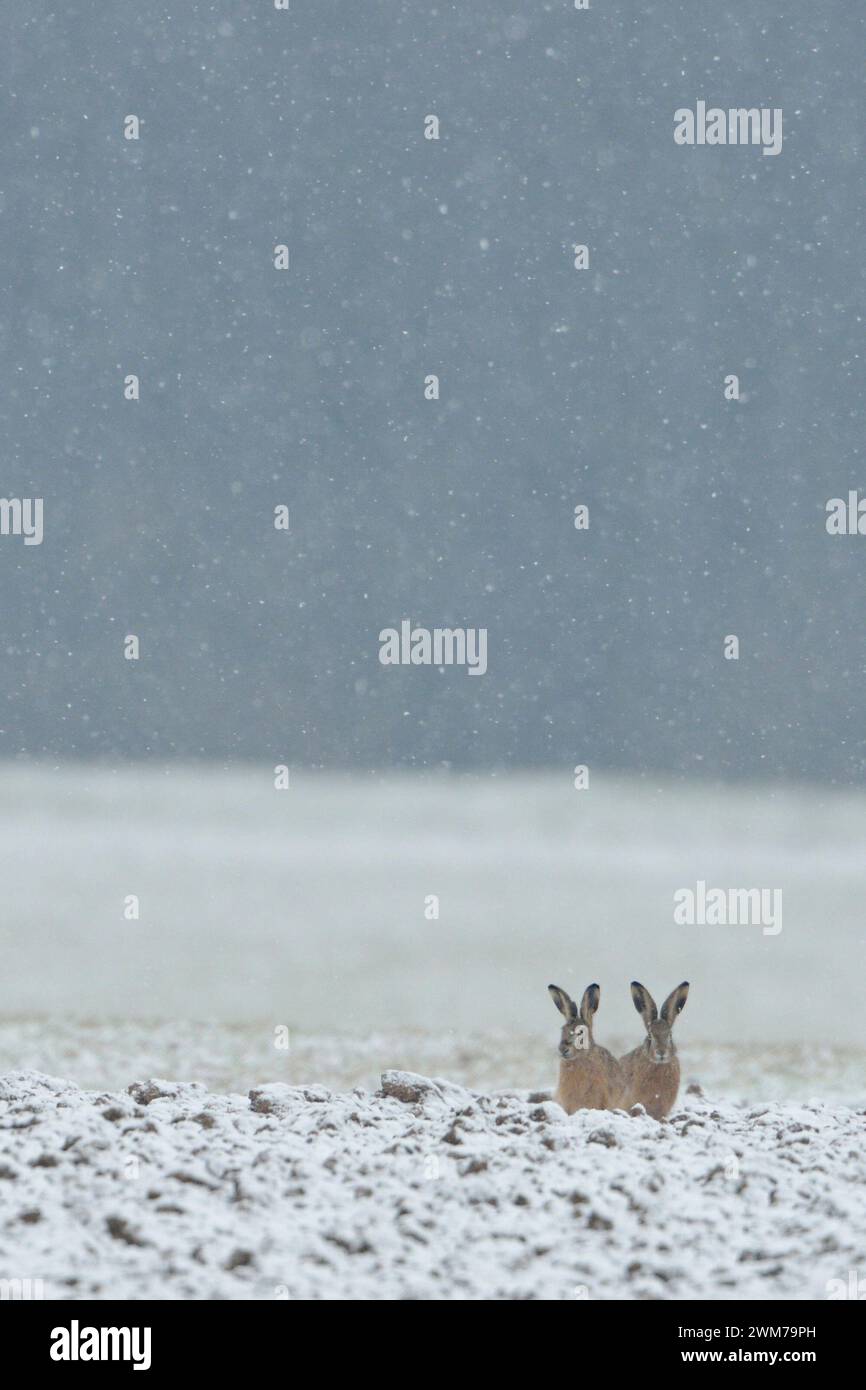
point(410, 257)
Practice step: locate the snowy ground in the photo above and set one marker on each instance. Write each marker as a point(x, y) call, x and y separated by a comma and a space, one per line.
point(303, 916)
point(421, 1190)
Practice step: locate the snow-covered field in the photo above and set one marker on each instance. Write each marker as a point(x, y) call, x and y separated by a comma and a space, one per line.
point(423, 1190)
point(283, 957)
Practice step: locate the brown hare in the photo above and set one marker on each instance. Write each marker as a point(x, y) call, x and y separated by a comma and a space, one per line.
point(588, 1074)
point(651, 1073)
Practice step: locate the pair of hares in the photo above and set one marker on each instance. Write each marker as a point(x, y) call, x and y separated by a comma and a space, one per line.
point(591, 1078)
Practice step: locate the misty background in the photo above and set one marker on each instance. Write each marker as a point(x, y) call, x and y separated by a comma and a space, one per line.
point(305, 388)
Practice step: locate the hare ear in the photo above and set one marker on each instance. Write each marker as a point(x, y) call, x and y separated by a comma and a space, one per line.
point(644, 1003)
point(563, 1001)
point(589, 1002)
point(675, 1002)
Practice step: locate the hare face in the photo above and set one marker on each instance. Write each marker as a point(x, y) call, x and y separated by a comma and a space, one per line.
point(660, 1043)
point(575, 1040)
point(576, 1037)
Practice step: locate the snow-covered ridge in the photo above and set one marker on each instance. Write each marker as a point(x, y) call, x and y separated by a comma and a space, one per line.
point(422, 1190)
